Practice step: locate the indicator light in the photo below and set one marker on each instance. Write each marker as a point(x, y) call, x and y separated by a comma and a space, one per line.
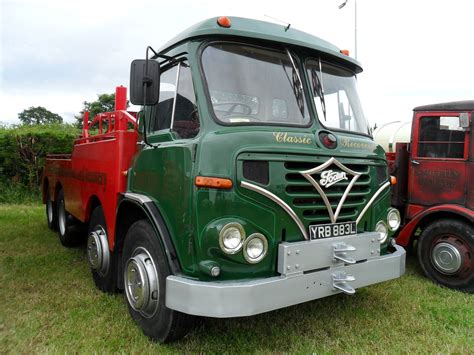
point(217, 183)
point(223, 21)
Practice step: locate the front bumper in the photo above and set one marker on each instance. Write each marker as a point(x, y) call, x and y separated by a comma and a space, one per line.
point(308, 270)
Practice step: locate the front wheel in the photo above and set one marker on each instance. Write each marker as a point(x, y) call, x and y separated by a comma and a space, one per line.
point(446, 254)
point(145, 269)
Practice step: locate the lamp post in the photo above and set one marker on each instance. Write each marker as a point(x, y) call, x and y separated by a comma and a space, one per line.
point(355, 24)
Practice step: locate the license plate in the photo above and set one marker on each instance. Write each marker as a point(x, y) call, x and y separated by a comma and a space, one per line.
point(320, 231)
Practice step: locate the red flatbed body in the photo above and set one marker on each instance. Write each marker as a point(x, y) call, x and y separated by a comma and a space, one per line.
point(97, 168)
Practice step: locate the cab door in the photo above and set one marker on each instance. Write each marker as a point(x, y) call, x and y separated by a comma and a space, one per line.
point(438, 166)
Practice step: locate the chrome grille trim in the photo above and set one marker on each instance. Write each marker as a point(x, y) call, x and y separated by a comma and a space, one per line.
point(379, 191)
point(279, 202)
point(307, 174)
point(308, 201)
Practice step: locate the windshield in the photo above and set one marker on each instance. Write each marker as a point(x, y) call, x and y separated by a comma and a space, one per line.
point(253, 85)
point(335, 97)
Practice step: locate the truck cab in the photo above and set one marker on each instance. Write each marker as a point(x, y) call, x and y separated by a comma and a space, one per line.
point(255, 184)
point(434, 169)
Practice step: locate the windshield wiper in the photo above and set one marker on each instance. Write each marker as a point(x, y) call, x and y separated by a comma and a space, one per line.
point(318, 87)
point(297, 89)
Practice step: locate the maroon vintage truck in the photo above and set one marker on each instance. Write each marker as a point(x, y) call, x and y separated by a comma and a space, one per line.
point(434, 166)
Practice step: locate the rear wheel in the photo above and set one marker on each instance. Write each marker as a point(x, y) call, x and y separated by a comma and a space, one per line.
point(51, 213)
point(101, 261)
point(145, 269)
point(70, 231)
point(446, 254)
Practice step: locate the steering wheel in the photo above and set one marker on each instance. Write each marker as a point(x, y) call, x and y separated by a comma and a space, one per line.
point(233, 105)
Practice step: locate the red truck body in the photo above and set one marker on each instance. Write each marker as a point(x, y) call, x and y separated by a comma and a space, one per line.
point(434, 183)
point(96, 170)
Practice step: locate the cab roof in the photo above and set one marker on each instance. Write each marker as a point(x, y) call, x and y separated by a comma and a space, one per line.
point(260, 30)
point(467, 105)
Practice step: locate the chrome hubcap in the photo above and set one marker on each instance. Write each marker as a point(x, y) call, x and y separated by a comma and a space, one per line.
point(141, 283)
point(98, 250)
point(62, 218)
point(446, 258)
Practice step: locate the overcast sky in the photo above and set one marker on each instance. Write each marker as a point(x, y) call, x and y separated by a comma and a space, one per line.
point(58, 54)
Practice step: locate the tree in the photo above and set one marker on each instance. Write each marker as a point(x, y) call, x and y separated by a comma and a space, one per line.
point(38, 115)
point(105, 103)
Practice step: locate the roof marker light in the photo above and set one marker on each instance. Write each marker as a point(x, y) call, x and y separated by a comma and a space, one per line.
point(345, 51)
point(223, 21)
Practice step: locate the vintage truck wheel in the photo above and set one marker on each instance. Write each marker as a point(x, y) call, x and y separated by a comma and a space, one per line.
point(145, 269)
point(70, 232)
point(101, 261)
point(51, 213)
point(446, 254)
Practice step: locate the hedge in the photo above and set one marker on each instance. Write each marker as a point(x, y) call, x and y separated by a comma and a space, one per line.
point(22, 153)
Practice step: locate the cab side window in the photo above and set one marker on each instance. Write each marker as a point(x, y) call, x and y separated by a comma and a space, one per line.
point(181, 116)
point(186, 120)
point(161, 113)
point(441, 137)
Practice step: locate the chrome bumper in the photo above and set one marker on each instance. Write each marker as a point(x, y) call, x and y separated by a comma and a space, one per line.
point(309, 270)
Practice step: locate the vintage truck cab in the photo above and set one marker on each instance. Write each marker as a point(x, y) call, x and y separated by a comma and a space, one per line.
point(432, 158)
point(255, 184)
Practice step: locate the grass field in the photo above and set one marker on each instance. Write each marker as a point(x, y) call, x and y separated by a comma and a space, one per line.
point(49, 303)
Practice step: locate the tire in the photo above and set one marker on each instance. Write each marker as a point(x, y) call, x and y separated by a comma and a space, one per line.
point(51, 213)
point(143, 255)
point(446, 254)
point(70, 233)
point(101, 260)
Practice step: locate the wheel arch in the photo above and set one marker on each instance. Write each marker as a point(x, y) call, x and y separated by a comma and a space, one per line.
point(93, 202)
point(133, 207)
point(437, 215)
point(406, 235)
point(58, 187)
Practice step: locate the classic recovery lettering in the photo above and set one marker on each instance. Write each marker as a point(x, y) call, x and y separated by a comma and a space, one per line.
point(284, 137)
point(347, 143)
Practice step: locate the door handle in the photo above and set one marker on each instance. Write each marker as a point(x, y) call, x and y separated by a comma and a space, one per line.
point(415, 162)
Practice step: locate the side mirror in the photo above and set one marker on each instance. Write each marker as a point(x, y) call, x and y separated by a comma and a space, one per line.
point(144, 82)
point(464, 121)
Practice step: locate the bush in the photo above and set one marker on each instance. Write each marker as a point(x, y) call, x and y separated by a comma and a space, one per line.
point(13, 192)
point(22, 153)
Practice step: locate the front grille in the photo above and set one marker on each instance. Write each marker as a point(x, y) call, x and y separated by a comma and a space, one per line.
point(309, 205)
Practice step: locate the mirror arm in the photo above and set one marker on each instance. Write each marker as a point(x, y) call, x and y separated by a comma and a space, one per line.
point(146, 82)
point(167, 57)
point(145, 137)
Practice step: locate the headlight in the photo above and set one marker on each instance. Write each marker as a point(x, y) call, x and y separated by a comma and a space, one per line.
point(393, 219)
point(381, 227)
point(255, 248)
point(231, 238)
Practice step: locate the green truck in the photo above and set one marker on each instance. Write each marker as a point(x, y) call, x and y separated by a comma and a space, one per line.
point(254, 183)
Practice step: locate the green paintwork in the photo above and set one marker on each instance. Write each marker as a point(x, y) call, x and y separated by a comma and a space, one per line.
point(194, 216)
